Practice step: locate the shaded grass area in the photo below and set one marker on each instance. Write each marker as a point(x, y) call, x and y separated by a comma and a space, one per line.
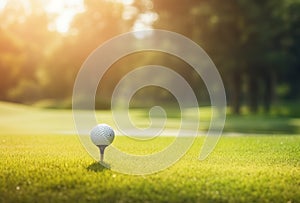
point(262, 124)
point(281, 119)
point(54, 168)
point(20, 119)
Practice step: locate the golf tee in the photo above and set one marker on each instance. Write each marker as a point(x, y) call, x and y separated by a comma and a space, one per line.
point(102, 148)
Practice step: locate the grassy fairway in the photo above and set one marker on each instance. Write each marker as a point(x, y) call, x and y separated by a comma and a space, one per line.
point(40, 162)
point(53, 168)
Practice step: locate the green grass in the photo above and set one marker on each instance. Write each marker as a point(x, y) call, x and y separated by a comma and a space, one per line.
point(20, 119)
point(55, 168)
point(42, 160)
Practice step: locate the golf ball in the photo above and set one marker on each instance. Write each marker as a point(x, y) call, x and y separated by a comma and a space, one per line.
point(102, 134)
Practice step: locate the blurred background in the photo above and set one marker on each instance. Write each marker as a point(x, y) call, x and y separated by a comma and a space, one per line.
point(254, 44)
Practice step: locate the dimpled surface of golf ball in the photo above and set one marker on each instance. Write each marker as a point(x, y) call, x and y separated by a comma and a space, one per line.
point(102, 134)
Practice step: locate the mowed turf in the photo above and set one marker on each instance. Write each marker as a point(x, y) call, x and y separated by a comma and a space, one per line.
point(54, 168)
point(40, 161)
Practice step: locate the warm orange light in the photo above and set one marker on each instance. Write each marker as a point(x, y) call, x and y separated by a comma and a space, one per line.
point(3, 4)
point(63, 12)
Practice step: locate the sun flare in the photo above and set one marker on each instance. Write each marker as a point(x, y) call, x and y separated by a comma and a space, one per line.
point(63, 12)
point(3, 4)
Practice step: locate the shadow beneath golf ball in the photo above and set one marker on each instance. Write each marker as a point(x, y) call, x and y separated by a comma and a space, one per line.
point(97, 167)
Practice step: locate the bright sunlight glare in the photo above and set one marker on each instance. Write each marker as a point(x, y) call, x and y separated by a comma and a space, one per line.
point(144, 22)
point(63, 12)
point(3, 4)
point(125, 2)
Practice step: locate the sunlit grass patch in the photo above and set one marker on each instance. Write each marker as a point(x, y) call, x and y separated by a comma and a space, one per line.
point(56, 168)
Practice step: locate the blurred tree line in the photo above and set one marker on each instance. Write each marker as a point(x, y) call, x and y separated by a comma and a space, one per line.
point(254, 44)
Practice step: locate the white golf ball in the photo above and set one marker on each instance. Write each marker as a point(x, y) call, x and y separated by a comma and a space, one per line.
point(102, 134)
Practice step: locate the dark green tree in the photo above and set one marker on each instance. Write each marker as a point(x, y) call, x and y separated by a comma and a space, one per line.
point(251, 42)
